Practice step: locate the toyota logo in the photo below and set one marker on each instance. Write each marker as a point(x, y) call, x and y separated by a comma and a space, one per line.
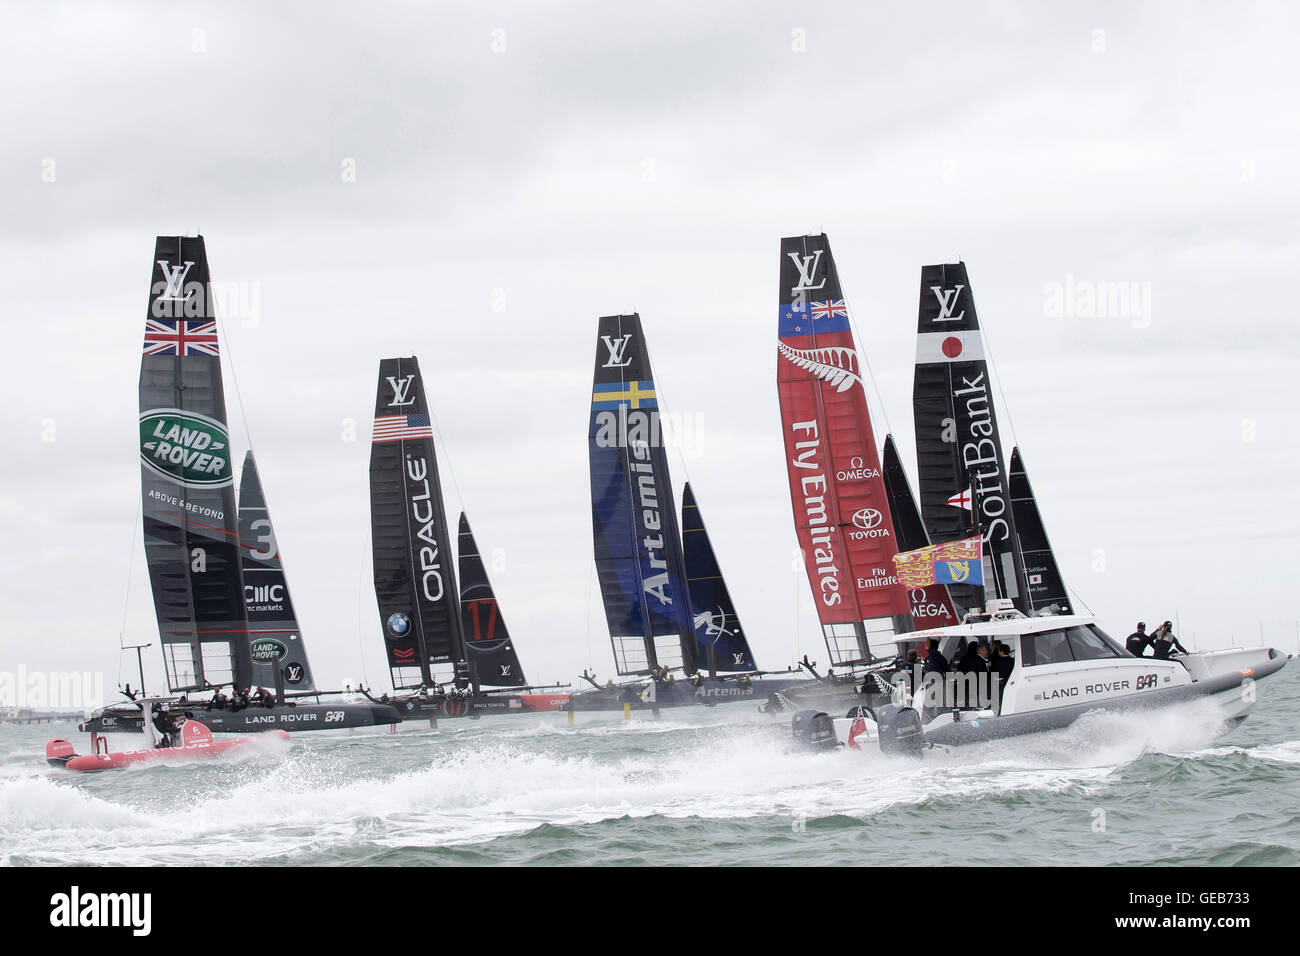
point(867, 519)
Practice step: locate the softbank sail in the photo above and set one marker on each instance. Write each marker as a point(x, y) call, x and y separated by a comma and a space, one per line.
point(963, 477)
point(841, 504)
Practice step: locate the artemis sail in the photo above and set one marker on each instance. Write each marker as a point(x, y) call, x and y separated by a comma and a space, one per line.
point(415, 581)
point(931, 605)
point(491, 651)
point(962, 475)
point(841, 508)
point(276, 640)
point(721, 642)
point(191, 527)
point(638, 548)
point(1046, 587)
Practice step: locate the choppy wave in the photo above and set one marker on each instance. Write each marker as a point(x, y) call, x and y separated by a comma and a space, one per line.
point(714, 786)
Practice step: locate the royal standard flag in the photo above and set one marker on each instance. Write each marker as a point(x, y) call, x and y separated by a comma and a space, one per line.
point(957, 562)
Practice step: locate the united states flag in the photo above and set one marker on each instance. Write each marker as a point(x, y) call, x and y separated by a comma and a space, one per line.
point(830, 309)
point(180, 337)
point(401, 427)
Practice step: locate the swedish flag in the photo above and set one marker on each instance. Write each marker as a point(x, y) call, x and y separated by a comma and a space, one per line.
point(633, 394)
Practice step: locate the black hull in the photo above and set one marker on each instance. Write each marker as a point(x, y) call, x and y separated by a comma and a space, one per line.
point(681, 693)
point(290, 717)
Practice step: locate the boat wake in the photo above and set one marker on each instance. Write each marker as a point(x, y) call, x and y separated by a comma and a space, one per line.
point(328, 801)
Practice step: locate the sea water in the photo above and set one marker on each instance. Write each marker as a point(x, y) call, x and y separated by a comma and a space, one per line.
point(718, 785)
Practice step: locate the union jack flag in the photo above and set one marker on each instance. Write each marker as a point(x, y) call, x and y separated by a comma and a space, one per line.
point(830, 309)
point(180, 337)
point(401, 427)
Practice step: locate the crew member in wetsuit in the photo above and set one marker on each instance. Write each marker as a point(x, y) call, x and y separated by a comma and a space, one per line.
point(163, 725)
point(1163, 643)
point(130, 694)
point(1138, 642)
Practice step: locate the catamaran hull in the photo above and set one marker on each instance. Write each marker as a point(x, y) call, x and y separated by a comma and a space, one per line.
point(291, 718)
point(680, 693)
point(419, 708)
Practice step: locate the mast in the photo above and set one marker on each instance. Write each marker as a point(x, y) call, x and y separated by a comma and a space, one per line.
point(276, 640)
point(638, 549)
point(721, 641)
point(191, 528)
point(963, 478)
point(491, 651)
point(1043, 576)
point(932, 605)
point(841, 510)
point(415, 580)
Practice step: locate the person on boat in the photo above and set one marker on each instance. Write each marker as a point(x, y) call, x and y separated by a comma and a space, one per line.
point(218, 700)
point(935, 662)
point(1138, 642)
point(1163, 643)
point(130, 694)
point(164, 725)
point(1001, 667)
point(268, 698)
point(975, 660)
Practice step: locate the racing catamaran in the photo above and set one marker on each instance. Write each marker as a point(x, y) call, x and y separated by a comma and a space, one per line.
point(191, 526)
point(666, 604)
point(435, 634)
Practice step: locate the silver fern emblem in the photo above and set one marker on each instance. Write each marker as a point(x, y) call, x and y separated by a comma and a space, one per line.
point(835, 365)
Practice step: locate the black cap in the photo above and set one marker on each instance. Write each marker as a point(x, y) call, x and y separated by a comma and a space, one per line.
point(1142, 625)
point(1167, 624)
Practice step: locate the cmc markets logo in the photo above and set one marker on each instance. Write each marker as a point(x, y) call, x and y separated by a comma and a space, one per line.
point(399, 624)
point(266, 650)
point(867, 519)
point(186, 447)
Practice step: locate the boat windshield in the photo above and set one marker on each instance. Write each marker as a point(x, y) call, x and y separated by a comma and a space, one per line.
point(1085, 643)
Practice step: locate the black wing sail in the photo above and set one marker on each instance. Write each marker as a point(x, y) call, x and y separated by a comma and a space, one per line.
point(722, 642)
point(932, 606)
point(415, 580)
point(191, 526)
point(638, 547)
point(276, 640)
point(958, 451)
point(1046, 587)
point(491, 651)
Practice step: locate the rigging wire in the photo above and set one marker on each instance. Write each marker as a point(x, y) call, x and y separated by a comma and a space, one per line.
point(126, 601)
point(361, 580)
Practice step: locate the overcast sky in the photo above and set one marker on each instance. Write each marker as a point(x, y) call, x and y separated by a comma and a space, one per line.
point(475, 185)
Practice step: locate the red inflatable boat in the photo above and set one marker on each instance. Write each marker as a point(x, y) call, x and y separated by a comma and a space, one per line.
point(195, 742)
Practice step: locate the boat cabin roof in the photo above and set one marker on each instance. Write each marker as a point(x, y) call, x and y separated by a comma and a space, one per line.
point(1001, 627)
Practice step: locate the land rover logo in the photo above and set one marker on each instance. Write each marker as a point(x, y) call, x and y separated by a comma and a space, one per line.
point(398, 624)
point(187, 447)
point(266, 650)
point(867, 518)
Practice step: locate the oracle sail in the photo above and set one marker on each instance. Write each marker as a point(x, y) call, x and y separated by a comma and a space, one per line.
point(191, 527)
point(491, 651)
point(276, 640)
point(722, 645)
point(962, 475)
point(1046, 588)
point(638, 550)
point(932, 605)
point(841, 508)
point(415, 581)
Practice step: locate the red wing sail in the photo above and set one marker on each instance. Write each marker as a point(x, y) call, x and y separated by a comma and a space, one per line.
point(841, 507)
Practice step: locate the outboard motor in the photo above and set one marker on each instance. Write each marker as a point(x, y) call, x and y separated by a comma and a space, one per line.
point(813, 730)
point(900, 731)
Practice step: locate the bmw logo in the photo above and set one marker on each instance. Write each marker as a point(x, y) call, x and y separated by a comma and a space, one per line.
point(399, 623)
